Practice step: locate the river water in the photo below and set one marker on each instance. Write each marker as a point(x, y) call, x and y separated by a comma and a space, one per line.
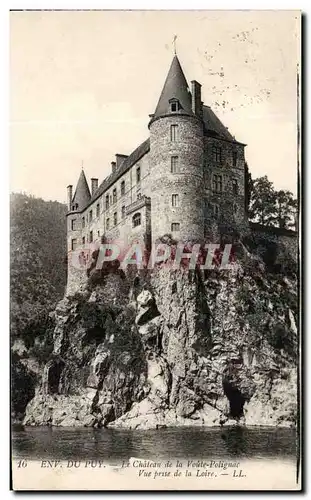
point(113, 446)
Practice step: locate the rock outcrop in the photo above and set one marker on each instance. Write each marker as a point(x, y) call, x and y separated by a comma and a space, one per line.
point(174, 347)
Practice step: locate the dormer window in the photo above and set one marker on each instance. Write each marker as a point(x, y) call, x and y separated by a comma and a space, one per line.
point(174, 105)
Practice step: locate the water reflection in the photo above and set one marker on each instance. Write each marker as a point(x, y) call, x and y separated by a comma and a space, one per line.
point(117, 445)
point(236, 441)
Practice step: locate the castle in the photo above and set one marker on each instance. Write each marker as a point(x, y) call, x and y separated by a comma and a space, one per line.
point(188, 178)
point(189, 173)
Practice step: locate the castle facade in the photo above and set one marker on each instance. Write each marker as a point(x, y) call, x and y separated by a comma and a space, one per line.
point(186, 177)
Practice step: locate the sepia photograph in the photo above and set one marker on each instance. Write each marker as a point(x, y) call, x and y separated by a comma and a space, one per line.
point(155, 210)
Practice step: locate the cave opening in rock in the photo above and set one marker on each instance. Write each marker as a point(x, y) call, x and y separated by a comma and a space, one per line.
point(96, 333)
point(54, 377)
point(236, 400)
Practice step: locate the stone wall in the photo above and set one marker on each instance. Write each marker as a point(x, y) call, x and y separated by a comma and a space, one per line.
point(284, 238)
point(187, 182)
point(226, 207)
point(123, 232)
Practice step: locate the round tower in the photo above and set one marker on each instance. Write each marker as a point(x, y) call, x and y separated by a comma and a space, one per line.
point(176, 160)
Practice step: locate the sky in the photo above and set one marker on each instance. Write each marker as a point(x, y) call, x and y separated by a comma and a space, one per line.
point(83, 83)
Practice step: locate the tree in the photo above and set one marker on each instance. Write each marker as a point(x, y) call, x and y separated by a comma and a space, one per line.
point(286, 209)
point(263, 202)
point(270, 207)
point(38, 269)
point(248, 186)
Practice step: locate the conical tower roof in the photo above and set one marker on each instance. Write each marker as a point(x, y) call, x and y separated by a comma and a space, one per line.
point(82, 195)
point(175, 86)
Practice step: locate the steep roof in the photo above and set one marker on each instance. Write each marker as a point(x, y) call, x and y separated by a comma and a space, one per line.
point(175, 86)
point(214, 126)
point(82, 195)
point(136, 155)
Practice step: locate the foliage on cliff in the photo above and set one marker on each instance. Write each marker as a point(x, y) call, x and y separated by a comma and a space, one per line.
point(38, 262)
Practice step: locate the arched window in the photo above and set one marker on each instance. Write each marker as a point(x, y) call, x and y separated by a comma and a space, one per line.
point(136, 220)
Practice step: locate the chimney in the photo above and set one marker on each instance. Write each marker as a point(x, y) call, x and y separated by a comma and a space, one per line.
point(69, 197)
point(113, 166)
point(94, 185)
point(120, 159)
point(196, 98)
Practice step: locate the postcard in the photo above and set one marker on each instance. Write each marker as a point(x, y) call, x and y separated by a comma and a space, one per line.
point(155, 322)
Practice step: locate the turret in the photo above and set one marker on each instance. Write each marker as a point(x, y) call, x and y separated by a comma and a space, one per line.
point(75, 223)
point(176, 160)
point(82, 194)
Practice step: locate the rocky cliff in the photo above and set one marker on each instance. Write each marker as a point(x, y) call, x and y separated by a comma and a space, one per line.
point(174, 347)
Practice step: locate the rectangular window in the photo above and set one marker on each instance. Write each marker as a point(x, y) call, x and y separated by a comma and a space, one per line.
point(123, 212)
point(138, 194)
point(175, 226)
point(114, 195)
point(107, 224)
point(174, 164)
point(107, 201)
point(174, 133)
point(115, 218)
point(83, 240)
point(91, 237)
point(175, 200)
point(73, 244)
point(138, 175)
point(122, 188)
point(235, 187)
point(217, 183)
point(83, 222)
point(97, 210)
point(73, 224)
point(234, 158)
point(215, 210)
point(90, 216)
point(217, 154)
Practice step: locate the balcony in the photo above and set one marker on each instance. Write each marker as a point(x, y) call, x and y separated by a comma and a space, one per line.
point(136, 205)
